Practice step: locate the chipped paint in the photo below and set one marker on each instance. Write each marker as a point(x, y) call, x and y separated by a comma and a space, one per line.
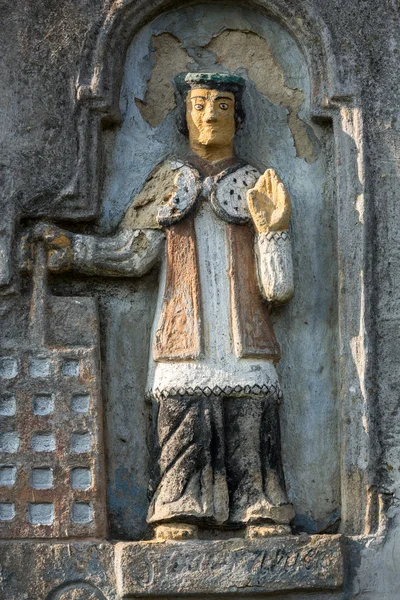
point(169, 59)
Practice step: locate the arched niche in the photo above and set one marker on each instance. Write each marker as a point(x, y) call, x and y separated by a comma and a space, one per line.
point(324, 331)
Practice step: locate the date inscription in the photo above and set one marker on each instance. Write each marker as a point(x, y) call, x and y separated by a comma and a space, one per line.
point(197, 567)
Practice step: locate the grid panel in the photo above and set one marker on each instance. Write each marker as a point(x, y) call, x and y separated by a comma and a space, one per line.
point(51, 448)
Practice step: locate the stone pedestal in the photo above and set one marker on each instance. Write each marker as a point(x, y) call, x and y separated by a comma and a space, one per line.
point(259, 566)
point(93, 570)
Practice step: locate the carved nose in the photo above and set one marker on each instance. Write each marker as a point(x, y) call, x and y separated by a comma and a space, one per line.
point(210, 115)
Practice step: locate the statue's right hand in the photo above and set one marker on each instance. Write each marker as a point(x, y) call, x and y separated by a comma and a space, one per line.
point(57, 242)
point(53, 237)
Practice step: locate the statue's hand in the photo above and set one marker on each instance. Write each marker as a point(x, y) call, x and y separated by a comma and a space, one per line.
point(269, 203)
point(53, 237)
point(57, 242)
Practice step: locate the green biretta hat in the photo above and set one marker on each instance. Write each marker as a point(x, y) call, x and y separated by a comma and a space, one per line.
point(185, 81)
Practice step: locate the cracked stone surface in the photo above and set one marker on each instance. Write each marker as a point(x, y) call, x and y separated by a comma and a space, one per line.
point(328, 120)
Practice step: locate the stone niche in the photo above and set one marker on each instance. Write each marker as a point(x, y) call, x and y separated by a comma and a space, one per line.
point(83, 363)
point(280, 133)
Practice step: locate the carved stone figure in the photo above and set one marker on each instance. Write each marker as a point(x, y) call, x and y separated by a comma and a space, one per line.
point(219, 230)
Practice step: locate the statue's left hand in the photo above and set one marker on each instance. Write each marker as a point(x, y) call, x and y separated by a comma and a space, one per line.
point(269, 203)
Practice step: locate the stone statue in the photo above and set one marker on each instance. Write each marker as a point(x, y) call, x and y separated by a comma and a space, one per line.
point(219, 230)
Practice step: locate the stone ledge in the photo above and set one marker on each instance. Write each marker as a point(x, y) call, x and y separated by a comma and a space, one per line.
point(260, 566)
point(40, 570)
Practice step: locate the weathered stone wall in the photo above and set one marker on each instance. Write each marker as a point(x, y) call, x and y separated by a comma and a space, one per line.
point(338, 156)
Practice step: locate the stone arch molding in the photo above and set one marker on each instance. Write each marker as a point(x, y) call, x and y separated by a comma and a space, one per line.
point(100, 75)
point(99, 80)
point(334, 99)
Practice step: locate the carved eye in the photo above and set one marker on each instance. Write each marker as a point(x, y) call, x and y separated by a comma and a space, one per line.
point(223, 105)
point(199, 106)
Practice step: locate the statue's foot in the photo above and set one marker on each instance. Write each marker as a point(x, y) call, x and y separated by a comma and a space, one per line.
point(263, 512)
point(175, 531)
point(267, 530)
point(282, 514)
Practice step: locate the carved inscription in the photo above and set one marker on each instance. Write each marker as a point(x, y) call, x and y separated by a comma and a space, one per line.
point(220, 567)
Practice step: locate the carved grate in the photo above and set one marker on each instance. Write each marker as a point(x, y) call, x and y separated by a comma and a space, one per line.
point(51, 466)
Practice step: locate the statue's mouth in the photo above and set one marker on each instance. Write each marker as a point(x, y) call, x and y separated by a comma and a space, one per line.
point(212, 133)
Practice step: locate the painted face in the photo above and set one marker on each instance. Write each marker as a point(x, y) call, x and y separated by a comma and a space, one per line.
point(210, 116)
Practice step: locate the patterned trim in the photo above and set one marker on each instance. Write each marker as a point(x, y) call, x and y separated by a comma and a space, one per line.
point(270, 391)
point(227, 214)
point(178, 206)
point(278, 235)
